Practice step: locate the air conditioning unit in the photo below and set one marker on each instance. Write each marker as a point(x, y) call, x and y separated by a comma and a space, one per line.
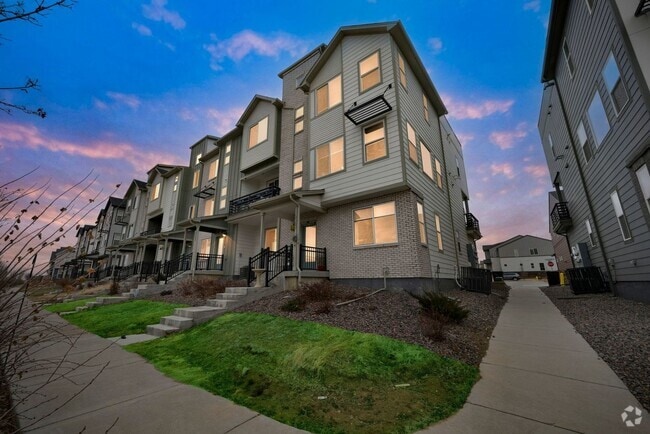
point(580, 254)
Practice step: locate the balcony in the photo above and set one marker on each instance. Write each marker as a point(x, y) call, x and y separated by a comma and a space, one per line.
point(123, 220)
point(472, 226)
point(148, 232)
point(643, 8)
point(561, 219)
point(243, 203)
point(206, 191)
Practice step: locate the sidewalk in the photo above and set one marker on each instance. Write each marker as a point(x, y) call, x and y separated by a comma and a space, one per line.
point(541, 376)
point(128, 396)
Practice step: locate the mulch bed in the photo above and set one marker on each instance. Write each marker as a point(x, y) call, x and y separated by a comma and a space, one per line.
point(618, 329)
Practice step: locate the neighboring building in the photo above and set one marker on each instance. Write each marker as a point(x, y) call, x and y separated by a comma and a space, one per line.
point(355, 172)
point(595, 126)
point(132, 222)
point(60, 261)
point(524, 254)
point(561, 245)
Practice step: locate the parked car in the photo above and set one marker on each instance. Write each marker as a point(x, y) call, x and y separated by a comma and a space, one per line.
point(510, 276)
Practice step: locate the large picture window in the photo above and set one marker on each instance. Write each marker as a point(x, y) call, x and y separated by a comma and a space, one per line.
point(330, 158)
point(213, 169)
point(258, 133)
point(615, 86)
point(369, 72)
point(598, 119)
point(328, 95)
point(427, 166)
point(374, 141)
point(375, 225)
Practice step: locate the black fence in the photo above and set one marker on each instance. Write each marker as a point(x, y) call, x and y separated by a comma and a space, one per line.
point(273, 263)
point(587, 280)
point(209, 262)
point(313, 258)
point(476, 279)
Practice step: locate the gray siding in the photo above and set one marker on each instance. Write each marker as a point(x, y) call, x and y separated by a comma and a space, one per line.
point(266, 149)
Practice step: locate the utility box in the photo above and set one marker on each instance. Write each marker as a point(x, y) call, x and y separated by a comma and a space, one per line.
point(580, 253)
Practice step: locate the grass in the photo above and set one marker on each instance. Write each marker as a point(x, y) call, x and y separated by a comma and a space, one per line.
point(315, 377)
point(68, 306)
point(127, 318)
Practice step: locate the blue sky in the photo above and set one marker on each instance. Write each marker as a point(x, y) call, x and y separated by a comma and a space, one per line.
point(128, 84)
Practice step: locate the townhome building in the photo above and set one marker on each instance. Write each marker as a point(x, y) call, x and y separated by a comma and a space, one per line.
point(527, 255)
point(354, 175)
point(594, 123)
point(132, 224)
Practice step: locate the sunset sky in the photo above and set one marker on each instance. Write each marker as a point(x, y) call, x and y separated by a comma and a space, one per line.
point(127, 84)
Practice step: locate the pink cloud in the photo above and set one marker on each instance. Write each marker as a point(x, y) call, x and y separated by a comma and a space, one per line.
point(28, 136)
point(224, 121)
point(533, 5)
point(157, 11)
point(504, 169)
point(248, 42)
point(123, 98)
point(508, 139)
point(435, 44)
point(465, 138)
point(537, 171)
point(476, 109)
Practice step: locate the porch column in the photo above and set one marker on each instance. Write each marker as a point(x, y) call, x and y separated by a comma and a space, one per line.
point(195, 251)
point(165, 246)
point(297, 238)
point(261, 231)
point(184, 241)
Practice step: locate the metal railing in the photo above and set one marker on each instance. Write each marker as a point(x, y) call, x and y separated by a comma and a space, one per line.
point(150, 232)
point(243, 203)
point(174, 267)
point(560, 218)
point(273, 263)
point(472, 226)
point(259, 262)
point(150, 269)
point(209, 262)
point(313, 258)
point(586, 280)
point(476, 279)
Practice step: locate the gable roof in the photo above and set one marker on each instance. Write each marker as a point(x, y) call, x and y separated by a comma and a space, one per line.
point(396, 30)
point(254, 102)
point(317, 50)
point(511, 240)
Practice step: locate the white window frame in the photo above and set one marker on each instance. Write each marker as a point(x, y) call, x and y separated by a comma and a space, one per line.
point(620, 216)
point(590, 6)
point(427, 164)
point(643, 177)
point(226, 157)
point(223, 197)
point(597, 108)
point(176, 180)
point(436, 218)
point(362, 215)
point(375, 141)
point(258, 133)
point(568, 59)
point(422, 229)
point(297, 175)
point(336, 143)
point(155, 192)
point(438, 172)
point(299, 119)
point(333, 90)
point(590, 233)
point(412, 146)
point(213, 169)
point(402, 70)
point(374, 61)
point(611, 82)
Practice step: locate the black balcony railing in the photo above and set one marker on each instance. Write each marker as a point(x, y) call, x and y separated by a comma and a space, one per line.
point(643, 8)
point(209, 262)
point(123, 220)
point(243, 203)
point(472, 226)
point(313, 258)
point(561, 219)
point(174, 267)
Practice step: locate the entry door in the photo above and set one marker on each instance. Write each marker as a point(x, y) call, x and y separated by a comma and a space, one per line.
point(310, 236)
point(271, 239)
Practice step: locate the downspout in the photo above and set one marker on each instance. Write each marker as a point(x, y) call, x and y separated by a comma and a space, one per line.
point(451, 212)
point(582, 178)
point(296, 220)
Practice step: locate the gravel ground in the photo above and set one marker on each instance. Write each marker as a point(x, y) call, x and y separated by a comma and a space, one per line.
point(396, 315)
point(618, 329)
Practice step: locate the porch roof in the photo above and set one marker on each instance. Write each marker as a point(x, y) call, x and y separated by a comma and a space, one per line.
point(281, 206)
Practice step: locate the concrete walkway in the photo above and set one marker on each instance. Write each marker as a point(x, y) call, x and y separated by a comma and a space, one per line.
point(541, 376)
point(118, 392)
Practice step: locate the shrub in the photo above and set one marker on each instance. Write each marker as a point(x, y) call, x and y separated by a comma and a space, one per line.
point(114, 289)
point(434, 326)
point(317, 291)
point(323, 307)
point(294, 304)
point(166, 292)
point(434, 305)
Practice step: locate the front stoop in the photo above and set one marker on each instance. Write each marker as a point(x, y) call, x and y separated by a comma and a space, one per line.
point(198, 314)
point(161, 330)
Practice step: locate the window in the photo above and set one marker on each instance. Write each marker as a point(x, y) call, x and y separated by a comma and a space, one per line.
point(135, 202)
point(375, 225)
point(223, 197)
point(567, 58)
point(176, 183)
point(582, 138)
point(457, 167)
point(328, 95)
point(208, 207)
point(258, 133)
point(541, 266)
point(590, 233)
point(190, 214)
point(438, 173)
point(297, 175)
point(438, 231)
point(413, 150)
point(550, 145)
point(643, 176)
point(425, 104)
point(213, 169)
point(532, 265)
point(155, 191)
point(197, 178)
point(329, 158)
point(205, 246)
point(614, 83)
point(423, 232)
point(620, 216)
point(427, 165)
point(598, 119)
point(271, 239)
point(533, 252)
point(226, 158)
point(374, 141)
point(369, 73)
point(198, 157)
point(299, 119)
point(402, 70)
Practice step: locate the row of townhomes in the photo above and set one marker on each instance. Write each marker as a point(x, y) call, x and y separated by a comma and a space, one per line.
point(595, 125)
point(354, 174)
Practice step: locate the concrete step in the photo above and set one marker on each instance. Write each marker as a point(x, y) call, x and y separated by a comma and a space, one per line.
point(112, 300)
point(228, 296)
point(129, 295)
point(91, 304)
point(199, 314)
point(81, 308)
point(161, 329)
point(181, 322)
point(224, 304)
point(237, 290)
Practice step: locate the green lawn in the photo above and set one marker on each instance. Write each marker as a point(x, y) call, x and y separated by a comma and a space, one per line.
point(315, 377)
point(68, 306)
point(131, 317)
